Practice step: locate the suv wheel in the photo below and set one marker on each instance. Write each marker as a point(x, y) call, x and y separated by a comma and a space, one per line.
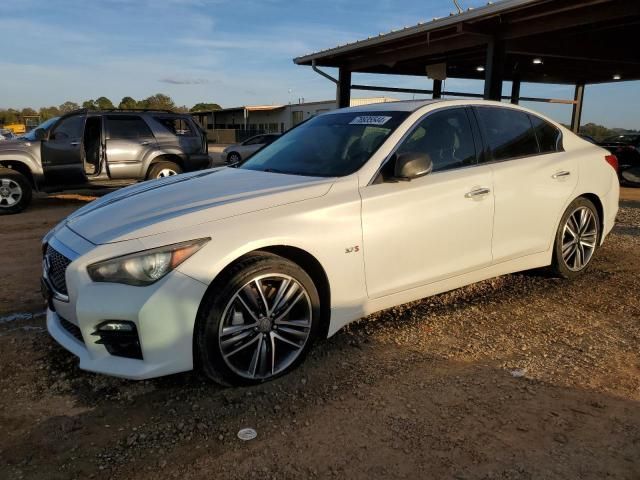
point(15, 191)
point(576, 239)
point(258, 322)
point(164, 169)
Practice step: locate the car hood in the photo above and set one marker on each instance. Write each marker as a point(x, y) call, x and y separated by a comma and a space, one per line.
point(160, 206)
point(12, 143)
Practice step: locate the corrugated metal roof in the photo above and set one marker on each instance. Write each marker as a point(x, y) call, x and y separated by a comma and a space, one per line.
point(489, 10)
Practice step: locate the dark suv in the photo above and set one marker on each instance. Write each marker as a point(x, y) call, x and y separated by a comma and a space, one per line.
point(103, 148)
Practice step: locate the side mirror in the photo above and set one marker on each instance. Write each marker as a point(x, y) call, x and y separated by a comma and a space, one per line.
point(412, 165)
point(39, 134)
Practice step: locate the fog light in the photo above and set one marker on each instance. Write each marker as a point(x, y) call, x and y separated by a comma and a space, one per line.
point(120, 338)
point(116, 327)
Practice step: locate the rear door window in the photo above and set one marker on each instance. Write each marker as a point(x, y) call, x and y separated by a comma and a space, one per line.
point(549, 137)
point(123, 127)
point(508, 133)
point(176, 125)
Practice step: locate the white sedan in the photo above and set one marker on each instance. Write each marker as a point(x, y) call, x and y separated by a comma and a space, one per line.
point(239, 270)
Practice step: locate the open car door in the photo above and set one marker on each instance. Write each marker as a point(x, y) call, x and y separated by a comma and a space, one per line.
point(62, 152)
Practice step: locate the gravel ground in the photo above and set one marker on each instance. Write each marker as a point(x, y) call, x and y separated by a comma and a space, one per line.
point(519, 377)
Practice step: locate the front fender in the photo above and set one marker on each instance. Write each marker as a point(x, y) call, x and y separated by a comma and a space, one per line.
point(28, 158)
point(326, 227)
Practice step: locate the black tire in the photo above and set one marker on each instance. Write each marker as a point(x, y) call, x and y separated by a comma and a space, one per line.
point(161, 169)
point(233, 157)
point(559, 266)
point(208, 354)
point(15, 191)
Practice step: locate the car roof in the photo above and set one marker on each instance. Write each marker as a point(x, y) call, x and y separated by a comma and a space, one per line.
point(399, 106)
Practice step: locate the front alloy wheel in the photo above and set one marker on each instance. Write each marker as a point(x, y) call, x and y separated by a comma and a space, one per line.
point(265, 326)
point(258, 321)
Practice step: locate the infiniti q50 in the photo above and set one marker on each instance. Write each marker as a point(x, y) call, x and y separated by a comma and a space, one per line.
point(237, 271)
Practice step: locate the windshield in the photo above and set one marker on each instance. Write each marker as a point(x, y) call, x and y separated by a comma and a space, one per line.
point(331, 145)
point(626, 139)
point(44, 125)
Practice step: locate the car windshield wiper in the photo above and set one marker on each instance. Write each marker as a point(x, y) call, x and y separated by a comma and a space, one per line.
point(275, 170)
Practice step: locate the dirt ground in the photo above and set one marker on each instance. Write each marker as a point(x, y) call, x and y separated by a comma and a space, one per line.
point(520, 377)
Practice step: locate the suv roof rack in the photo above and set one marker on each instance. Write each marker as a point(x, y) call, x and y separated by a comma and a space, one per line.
point(121, 110)
point(134, 110)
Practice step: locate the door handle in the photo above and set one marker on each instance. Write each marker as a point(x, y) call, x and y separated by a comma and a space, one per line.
point(478, 192)
point(563, 173)
point(145, 142)
point(74, 144)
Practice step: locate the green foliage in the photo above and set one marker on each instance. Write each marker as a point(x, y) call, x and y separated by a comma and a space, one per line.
point(202, 107)
point(128, 103)
point(68, 106)
point(103, 103)
point(158, 101)
point(49, 112)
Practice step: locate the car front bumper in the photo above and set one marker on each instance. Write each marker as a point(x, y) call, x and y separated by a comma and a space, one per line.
point(164, 315)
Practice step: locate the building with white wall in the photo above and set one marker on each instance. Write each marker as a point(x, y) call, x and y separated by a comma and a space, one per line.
point(235, 124)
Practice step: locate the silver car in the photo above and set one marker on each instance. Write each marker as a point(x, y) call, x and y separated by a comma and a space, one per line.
point(241, 151)
point(111, 147)
point(6, 134)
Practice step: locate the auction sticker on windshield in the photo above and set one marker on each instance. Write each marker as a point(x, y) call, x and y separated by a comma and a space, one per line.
point(370, 120)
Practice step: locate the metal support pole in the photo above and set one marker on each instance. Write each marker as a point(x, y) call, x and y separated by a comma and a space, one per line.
point(437, 89)
point(343, 97)
point(576, 116)
point(515, 91)
point(494, 70)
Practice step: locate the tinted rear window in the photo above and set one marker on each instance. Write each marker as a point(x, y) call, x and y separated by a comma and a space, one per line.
point(127, 126)
point(508, 133)
point(549, 137)
point(178, 126)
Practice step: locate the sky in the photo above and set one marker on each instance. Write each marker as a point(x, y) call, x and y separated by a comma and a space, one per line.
point(230, 52)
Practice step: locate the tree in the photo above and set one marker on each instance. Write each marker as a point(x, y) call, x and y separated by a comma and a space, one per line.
point(89, 105)
point(159, 101)
point(8, 116)
point(68, 106)
point(128, 103)
point(200, 107)
point(28, 111)
point(103, 103)
point(49, 112)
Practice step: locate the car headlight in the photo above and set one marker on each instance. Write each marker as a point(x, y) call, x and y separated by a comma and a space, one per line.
point(146, 267)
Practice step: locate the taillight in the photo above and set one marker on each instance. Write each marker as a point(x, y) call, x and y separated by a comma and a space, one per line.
point(613, 161)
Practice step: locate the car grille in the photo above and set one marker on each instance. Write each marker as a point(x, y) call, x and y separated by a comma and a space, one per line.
point(72, 329)
point(58, 264)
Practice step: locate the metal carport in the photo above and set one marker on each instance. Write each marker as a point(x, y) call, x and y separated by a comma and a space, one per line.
point(576, 42)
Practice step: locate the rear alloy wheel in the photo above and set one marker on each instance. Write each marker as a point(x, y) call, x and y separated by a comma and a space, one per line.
point(164, 169)
point(15, 191)
point(260, 323)
point(576, 239)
